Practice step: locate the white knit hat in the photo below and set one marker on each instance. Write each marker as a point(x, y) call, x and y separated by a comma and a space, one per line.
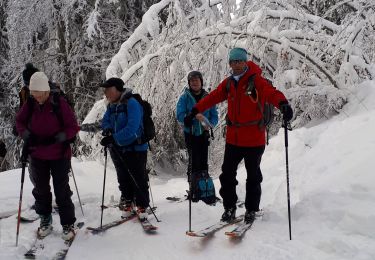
point(39, 82)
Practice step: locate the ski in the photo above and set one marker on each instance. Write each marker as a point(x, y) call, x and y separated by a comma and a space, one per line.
point(243, 227)
point(239, 204)
point(148, 210)
point(239, 230)
point(213, 228)
point(35, 247)
point(61, 254)
point(97, 230)
point(176, 199)
point(146, 225)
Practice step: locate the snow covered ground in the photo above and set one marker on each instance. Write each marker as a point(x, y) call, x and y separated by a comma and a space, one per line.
point(332, 185)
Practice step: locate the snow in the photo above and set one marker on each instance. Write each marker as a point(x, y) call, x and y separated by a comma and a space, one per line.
point(331, 187)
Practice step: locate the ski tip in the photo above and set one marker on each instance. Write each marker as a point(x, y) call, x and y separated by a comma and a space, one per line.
point(191, 233)
point(194, 234)
point(231, 234)
point(80, 224)
point(151, 229)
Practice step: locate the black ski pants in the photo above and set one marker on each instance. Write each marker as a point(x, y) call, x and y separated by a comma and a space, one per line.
point(41, 172)
point(233, 155)
point(131, 175)
point(197, 147)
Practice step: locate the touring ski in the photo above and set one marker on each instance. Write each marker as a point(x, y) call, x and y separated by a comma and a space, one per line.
point(35, 247)
point(213, 228)
point(244, 226)
point(97, 230)
point(61, 254)
point(146, 225)
point(240, 230)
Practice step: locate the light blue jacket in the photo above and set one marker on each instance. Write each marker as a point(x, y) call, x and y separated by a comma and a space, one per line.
point(125, 119)
point(184, 105)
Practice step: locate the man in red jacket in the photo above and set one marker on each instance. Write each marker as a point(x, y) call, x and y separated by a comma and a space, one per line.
point(245, 136)
point(46, 133)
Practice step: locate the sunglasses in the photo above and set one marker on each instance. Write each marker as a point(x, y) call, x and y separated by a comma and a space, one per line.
point(236, 61)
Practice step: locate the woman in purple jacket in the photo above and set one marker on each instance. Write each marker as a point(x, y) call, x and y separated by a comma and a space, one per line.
point(46, 131)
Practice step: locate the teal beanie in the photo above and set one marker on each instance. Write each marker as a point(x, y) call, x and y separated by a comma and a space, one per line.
point(238, 54)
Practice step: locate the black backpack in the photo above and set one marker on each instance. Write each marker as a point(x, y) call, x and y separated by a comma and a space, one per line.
point(267, 110)
point(149, 132)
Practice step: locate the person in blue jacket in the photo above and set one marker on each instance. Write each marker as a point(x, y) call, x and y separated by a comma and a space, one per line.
point(197, 136)
point(122, 130)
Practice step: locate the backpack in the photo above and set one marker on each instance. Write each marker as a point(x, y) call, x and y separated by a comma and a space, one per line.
point(202, 188)
point(267, 110)
point(56, 92)
point(149, 132)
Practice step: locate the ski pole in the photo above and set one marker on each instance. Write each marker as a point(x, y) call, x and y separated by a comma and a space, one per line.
point(135, 182)
point(152, 197)
point(105, 173)
point(286, 128)
point(23, 159)
point(190, 169)
point(75, 183)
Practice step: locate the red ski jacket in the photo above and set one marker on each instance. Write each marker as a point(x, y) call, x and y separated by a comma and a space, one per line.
point(243, 108)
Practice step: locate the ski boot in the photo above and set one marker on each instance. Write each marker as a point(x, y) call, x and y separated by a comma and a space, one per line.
point(45, 227)
point(249, 216)
point(127, 210)
point(228, 215)
point(142, 214)
point(68, 232)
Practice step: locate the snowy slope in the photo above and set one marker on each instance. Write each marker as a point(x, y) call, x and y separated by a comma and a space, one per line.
point(332, 198)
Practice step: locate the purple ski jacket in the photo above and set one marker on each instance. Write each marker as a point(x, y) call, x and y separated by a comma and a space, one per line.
point(43, 124)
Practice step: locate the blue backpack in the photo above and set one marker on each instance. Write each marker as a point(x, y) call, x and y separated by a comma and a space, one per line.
point(202, 188)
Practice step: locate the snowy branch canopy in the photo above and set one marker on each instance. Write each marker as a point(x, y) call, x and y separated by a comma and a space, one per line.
point(315, 53)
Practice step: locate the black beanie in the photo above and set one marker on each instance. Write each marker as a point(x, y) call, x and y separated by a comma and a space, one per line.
point(114, 82)
point(195, 73)
point(28, 72)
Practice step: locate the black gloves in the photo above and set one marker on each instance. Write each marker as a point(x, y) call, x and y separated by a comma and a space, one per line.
point(107, 132)
point(60, 137)
point(188, 120)
point(286, 110)
point(108, 140)
point(26, 135)
point(14, 131)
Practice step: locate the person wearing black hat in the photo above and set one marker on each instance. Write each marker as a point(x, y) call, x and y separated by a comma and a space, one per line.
point(24, 93)
point(122, 130)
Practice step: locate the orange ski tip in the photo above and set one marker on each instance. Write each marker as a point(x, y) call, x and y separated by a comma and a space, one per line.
point(190, 233)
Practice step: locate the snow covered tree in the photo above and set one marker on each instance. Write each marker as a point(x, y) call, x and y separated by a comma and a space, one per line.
point(314, 51)
point(72, 41)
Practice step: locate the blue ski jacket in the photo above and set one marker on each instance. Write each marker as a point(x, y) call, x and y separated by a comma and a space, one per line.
point(184, 105)
point(125, 119)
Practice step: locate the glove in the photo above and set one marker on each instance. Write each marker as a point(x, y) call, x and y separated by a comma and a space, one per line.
point(24, 153)
point(107, 132)
point(26, 135)
point(14, 131)
point(286, 110)
point(108, 140)
point(188, 120)
point(60, 137)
